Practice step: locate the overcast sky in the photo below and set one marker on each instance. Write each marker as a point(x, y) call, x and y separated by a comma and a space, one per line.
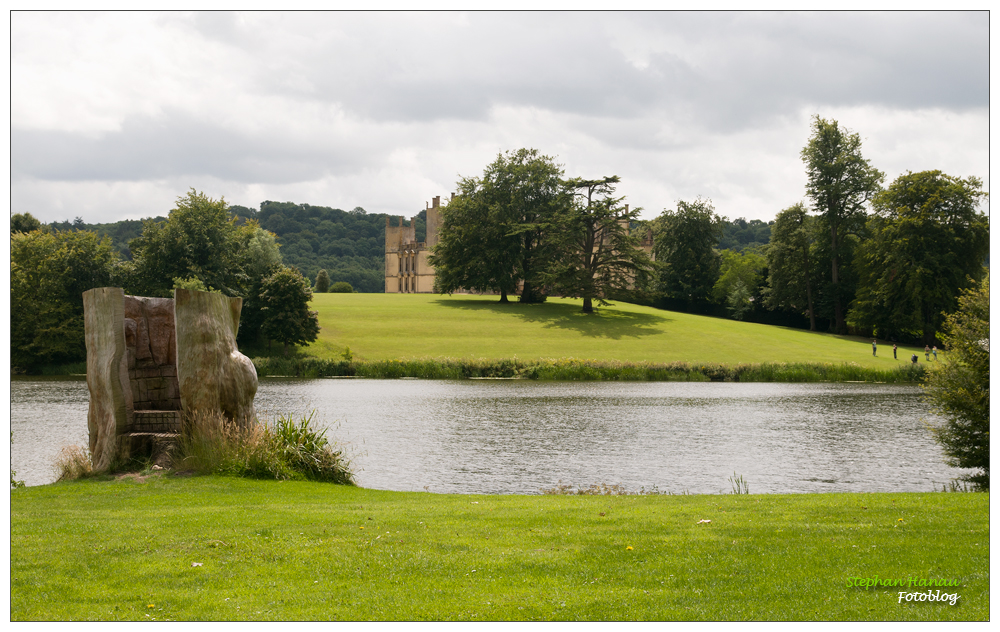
point(115, 115)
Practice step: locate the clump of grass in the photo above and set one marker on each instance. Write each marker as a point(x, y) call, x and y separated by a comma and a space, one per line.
point(284, 450)
point(740, 484)
point(72, 463)
point(600, 489)
point(309, 452)
point(958, 485)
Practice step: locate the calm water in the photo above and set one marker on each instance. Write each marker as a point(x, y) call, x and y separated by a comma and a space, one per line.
point(493, 436)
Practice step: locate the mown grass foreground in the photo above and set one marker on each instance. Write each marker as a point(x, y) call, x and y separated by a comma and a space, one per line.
point(406, 326)
point(211, 548)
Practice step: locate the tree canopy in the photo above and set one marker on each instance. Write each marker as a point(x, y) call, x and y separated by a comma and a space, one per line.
point(497, 231)
point(597, 254)
point(284, 306)
point(684, 246)
point(24, 223)
point(474, 252)
point(198, 240)
point(790, 268)
point(741, 276)
point(840, 182)
point(49, 272)
point(926, 242)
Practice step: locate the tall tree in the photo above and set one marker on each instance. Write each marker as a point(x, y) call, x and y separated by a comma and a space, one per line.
point(960, 387)
point(840, 182)
point(24, 223)
point(49, 272)
point(788, 263)
point(740, 277)
point(500, 233)
point(684, 246)
point(197, 241)
point(474, 252)
point(597, 252)
point(284, 298)
point(256, 258)
point(926, 242)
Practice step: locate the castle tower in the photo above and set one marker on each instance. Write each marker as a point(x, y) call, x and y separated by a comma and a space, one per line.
point(433, 220)
point(407, 269)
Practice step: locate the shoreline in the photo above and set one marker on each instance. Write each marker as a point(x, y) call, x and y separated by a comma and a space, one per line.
point(565, 369)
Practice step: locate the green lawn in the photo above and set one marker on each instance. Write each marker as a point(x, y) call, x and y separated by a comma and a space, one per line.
point(399, 326)
point(209, 548)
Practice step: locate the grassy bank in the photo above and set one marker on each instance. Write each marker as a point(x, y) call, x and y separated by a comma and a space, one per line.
point(380, 327)
point(209, 548)
point(583, 370)
point(460, 337)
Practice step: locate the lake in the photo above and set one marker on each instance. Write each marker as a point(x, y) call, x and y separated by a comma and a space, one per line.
point(514, 436)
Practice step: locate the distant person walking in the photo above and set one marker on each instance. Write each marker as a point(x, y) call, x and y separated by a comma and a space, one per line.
point(934, 351)
point(927, 353)
point(874, 347)
point(894, 351)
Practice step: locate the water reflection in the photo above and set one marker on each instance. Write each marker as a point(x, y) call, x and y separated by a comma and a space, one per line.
point(520, 437)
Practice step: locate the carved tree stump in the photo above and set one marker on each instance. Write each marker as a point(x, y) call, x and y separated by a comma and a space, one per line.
point(214, 376)
point(107, 371)
point(151, 361)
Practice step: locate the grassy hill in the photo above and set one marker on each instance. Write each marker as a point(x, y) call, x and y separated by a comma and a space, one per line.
point(401, 326)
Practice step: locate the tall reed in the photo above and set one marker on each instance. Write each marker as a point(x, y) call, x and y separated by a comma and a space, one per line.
point(73, 462)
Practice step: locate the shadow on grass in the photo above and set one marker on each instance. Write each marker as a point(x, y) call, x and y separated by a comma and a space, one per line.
point(605, 322)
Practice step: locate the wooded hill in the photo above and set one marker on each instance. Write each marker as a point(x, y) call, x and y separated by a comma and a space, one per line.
point(350, 245)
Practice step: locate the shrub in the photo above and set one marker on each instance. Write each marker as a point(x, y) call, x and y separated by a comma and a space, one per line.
point(959, 389)
point(212, 444)
point(322, 282)
point(342, 287)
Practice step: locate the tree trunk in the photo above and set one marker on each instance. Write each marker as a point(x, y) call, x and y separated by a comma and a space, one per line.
point(588, 305)
point(529, 294)
point(809, 295)
point(503, 296)
point(927, 331)
point(838, 312)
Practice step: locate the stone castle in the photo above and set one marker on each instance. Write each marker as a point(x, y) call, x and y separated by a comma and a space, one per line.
point(406, 267)
point(407, 270)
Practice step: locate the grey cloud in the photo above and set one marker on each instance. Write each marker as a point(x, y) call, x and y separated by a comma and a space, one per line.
point(176, 144)
point(722, 71)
